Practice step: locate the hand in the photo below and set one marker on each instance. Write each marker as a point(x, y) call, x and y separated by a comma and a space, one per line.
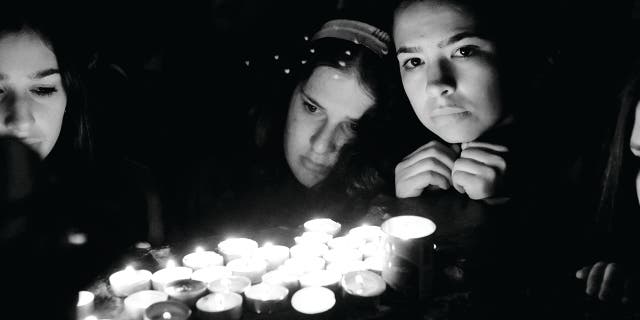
point(609, 281)
point(479, 170)
point(428, 166)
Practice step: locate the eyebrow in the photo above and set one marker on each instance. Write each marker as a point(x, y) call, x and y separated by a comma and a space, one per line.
point(453, 39)
point(44, 73)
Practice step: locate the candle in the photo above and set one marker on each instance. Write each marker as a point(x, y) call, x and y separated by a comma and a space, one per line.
point(201, 259)
point(362, 288)
point(186, 290)
point(265, 298)
point(282, 278)
point(334, 255)
point(128, 281)
point(371, 249)
point(345, 266)
point(252, 268)
point(308, 250)
point(313, 300)
point(302, 265)
point(138, 302)
point(313, 237)
point(346, 242)
point(321, 278)
point(235, 248)
point(164, 310)
point(220, 306)
point(322, 225)
point(375, 264)
point(368, 233)
point(235, 284)
point(160, 278)
point(84, 307)
point(274, 255)
point(209, 274)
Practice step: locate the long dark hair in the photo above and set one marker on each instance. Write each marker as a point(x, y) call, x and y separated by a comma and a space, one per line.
point(617, 196)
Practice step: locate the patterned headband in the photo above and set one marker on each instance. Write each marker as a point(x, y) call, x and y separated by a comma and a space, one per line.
point(358, 32)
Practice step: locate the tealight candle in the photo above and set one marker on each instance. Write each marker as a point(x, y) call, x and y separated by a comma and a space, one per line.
point(345, 266)
point(368, 233)
point(160, 278)
point(313, 237)
point(235, 248)
point(129, 280)
point(209, 274)
point(302, 265)
point(84, 307)
point(334, 255)
point(346, 242)
point(186, 290)
point(308, 250)
point(313, 300)
point(321, 278)
point(371, 249)
point(322, 225)
point(164, 310)
point(375, 264)
point(138, 302)
point(362, 288)
point(282, 278)
point(252, 268)
point(201, 259)
point(265, 298)
point(220, 306)
point(274, 255)
point(235, 284)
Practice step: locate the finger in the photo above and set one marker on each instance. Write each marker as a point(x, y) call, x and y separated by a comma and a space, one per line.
point(595, 278)
point(432, 149)
point(608, 286)
point(427, 164)
point(484, 145)
point(488, 158)
point(472, 185)
point(474, 167)
point(582, 273)
point(413, 186)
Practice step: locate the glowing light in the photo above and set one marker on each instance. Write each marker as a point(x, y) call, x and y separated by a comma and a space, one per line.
point(199, 249)
point(171, 264)
point(276, 57)
point(347, 52)
point(166, 315)
point(287, 71)
point(312, 50)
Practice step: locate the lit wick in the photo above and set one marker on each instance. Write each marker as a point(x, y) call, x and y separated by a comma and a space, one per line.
point(166, 315)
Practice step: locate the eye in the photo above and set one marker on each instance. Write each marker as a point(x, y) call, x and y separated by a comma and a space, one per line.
point(310, 107)
point(353, 126)
point(44, 91)
point(466, 51)
point(412, 63)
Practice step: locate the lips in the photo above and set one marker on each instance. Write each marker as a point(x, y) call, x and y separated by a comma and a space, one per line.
point(314, 166)
point(447, 111)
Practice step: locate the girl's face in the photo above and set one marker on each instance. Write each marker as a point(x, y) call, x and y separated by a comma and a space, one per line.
point(322, 115)
point(32, 99)
point(448, 70)
point(635, 145)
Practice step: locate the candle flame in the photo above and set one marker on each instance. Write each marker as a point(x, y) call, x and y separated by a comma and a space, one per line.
point(166, 315)
point(129, 268)
point(91, 318)
point(199, 249)
point(268, 244)
point(171, 263)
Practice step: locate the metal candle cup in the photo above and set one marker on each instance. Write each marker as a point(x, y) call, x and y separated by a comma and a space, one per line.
point(252, 268)
point(163, 276)
point(323, 225)
point(362, 289)
point(235, 284)
point(235, 248)
point(187, 291)
point(220, 306)
point(174, 310)
point(202, 259)
point(408, 265)
point(137, 303)
point(128, 281)
point(265, 298)
point(314, 302)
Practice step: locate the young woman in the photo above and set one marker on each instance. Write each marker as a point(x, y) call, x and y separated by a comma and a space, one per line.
point(303, 130)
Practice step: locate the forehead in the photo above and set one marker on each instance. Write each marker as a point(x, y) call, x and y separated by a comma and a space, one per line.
point(430, 20)
point(338, 92)
point(25, 52)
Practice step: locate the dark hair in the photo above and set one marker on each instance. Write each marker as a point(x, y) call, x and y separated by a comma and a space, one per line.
point(347, 56)
point(617, 180)
point(75, 133)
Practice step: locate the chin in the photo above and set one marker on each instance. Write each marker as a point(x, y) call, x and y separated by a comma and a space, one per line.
point(458, 137)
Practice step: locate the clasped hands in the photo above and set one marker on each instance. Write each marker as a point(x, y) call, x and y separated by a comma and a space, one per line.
point(474, 168)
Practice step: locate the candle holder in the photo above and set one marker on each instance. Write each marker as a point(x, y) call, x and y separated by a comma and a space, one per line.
point(137, 303)
point(174, 310)
point(235, 248)
point(202, 259)
point(362, 289)
point(266, 298)
point(314, 302)
point(252, 268)
point(128, 281)
point(220, 306)
point(187, 291)
point(160, 278)
point(323, 225)
point(408, 266)
point(235, 284)
point(85, 305)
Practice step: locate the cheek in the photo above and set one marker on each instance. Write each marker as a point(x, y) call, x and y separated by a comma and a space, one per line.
point(638, 186)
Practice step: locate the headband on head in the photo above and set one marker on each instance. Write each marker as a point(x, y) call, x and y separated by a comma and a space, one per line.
point(358, 32)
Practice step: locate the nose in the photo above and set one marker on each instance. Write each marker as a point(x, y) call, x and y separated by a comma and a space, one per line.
point(440, 80)
point(323, 139)
point(18, 116)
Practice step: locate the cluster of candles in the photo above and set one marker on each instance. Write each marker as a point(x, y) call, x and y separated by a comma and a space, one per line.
point(320, 268)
